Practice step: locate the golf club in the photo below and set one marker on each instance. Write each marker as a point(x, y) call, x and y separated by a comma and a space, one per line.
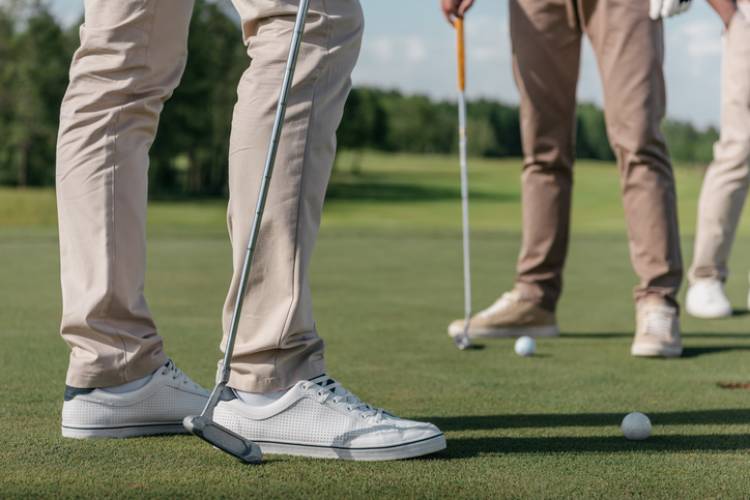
point(462, 341)
point(203, 425)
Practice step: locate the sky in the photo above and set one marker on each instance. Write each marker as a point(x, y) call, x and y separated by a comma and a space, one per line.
point(409, 46)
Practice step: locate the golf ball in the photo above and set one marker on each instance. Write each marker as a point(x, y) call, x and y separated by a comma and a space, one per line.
point(525, 346)
point(636, 426)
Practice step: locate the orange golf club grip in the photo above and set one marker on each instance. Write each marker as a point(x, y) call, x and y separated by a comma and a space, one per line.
point(461, 54)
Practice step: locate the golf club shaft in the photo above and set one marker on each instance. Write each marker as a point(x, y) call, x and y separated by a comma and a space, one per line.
point(464, 169)
point(465, 207)
point(273, 148)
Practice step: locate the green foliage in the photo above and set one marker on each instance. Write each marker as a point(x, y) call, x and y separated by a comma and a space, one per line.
point(689, 144)
point(30, 94)
point(189, 156)
point(591, 133)
point(495, 129)
point(6, 101)
point(366, 121)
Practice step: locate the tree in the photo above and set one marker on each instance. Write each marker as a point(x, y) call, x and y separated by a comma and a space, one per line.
point(189, 156)
point(7, 33)
point(363, 126)
point(688, 144)
point(191, 150)
point(591, 130)
point(33, 83)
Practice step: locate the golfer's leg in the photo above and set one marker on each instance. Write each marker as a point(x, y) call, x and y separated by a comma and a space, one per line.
point(726, 183)
point(131, 57)
point(278, 344)
point(630, 50)
point(546, 53)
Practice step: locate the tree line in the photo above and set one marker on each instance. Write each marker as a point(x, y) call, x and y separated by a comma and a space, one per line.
point(190, 152)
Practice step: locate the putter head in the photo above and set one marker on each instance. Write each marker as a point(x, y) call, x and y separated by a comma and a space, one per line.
point(223, 438)
point(462, 342)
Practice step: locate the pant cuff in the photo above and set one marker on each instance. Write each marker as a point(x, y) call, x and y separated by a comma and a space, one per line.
point(244, 379)
point(704, 273)
point(668, 297)
point(535, 294)
point(91, 377)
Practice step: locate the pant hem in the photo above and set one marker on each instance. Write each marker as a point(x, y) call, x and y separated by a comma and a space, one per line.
point(535, 294)
point(93, 379)
point(250, 383)
point(668, 298)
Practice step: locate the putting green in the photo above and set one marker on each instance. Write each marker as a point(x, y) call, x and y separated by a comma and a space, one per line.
point(387, 280)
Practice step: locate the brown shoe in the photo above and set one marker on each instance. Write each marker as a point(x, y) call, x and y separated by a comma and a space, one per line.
point(509, 316)
point(657, 332)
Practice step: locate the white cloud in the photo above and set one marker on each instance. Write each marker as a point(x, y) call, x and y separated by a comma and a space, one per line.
point(415, 49)
point(392, 49)
point(701, 37)
point(693, 66)
point(381, 49)
point(489, 41)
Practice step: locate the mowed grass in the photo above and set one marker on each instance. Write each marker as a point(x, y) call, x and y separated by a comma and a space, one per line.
point(387, 280)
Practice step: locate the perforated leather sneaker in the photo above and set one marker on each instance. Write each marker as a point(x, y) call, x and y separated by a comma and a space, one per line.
point(657, 330)
point(157, 407)
point(510, 316)
point(321, 419)
point(706, 299)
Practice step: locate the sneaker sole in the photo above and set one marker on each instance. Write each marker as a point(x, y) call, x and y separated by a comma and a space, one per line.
point(504, 333)
point(121, 432)
point(655, 352)
point(700, 315)
point(403, 451)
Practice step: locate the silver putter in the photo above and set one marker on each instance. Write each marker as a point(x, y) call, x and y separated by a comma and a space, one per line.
point(203, 425)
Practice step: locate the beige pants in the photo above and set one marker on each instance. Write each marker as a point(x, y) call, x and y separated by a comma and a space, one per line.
point(726, 183)
point(546, 37)
point(131, 57)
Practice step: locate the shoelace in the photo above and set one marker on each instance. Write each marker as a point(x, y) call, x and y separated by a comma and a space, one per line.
point(658, 321)
point(339, 395)
point(503, 302)
point(178, 375)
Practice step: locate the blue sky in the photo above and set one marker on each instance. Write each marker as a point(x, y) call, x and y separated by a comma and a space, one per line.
point(409, 46)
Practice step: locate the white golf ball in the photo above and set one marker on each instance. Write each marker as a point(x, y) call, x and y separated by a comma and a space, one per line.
point(525, 346)
point(636, 426)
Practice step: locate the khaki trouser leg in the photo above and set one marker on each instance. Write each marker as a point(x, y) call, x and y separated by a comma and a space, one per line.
point(131, 57)
point(726, 183)
point(630, 52)
point(546, 55)
point(277, 343)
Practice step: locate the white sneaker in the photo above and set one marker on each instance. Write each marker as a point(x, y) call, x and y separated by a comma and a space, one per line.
point(706, 299)
point(657, 331)
point(321, 419)
point(156, 408)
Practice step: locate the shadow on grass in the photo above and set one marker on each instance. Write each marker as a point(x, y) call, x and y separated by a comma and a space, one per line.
point(374, 191)
point(689, 351)
point(629, 335)
point(471, 447)
point(694, 352)
point(549, 420)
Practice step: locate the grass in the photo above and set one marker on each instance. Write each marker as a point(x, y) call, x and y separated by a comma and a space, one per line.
point(386, 279)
